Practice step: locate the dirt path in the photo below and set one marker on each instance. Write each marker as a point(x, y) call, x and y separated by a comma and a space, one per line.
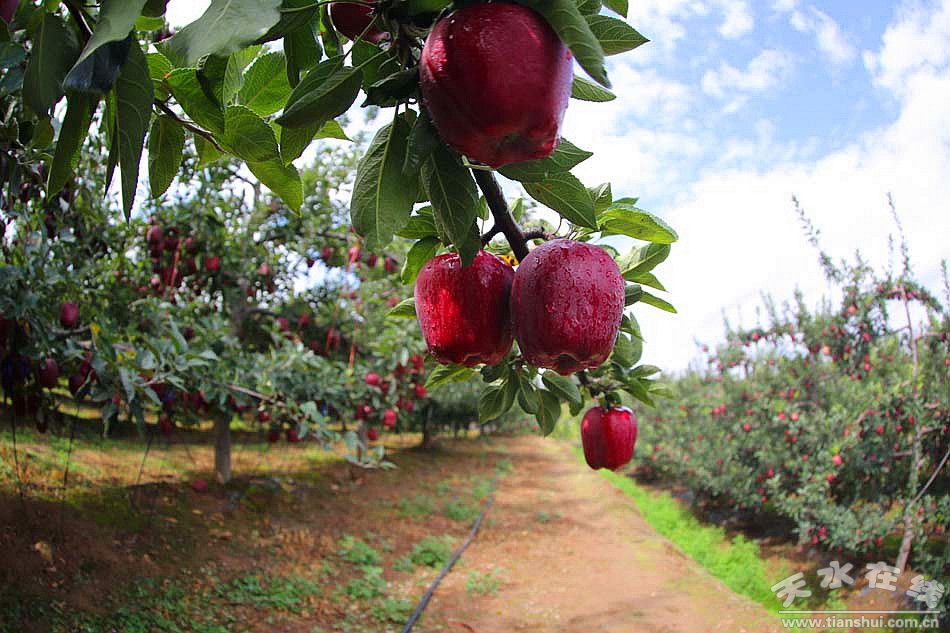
point(574, 555)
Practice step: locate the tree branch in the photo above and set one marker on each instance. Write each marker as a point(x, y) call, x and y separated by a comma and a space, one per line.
point(501, 213)
point(188, 125)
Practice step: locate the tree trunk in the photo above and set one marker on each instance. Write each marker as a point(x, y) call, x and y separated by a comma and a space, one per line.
point(222, 448)
point(427, 429)
point(910, 506)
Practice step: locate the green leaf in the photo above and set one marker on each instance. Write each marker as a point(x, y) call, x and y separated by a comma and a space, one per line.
point(638, 391)
point(445, 374)
point(420, 253)
point(331, 41)
point(617, 6)
point(291, 20)
point(405, 309)
point(72, 134)
point(565, 158)
point(166, 141)
point(648, 279)
point(567, 21)
point(302, 51)
point(382, 198)
point(284, 180)
point(454, 199)
point(636, 223)
point(294, 140)
point(419, 227)
point(549, 413)
point(423, 140)
point(332, 129)
point(491, 403)
point(158, 67)
point(98, 66)
point(588, 7)
point(615, 36)
point(586, 90)
point(325, 93)
point(185, 87)
point(602, 197)
point(226, 27)
point(643, 259)
point(528, 398)
point(629, 324)
point(154, 8)
point(133, 92)
point(632, 294)
point(427, 6)
point(247, 136)
point(396, 87)
point(53, 52)
point(659, 389)
point(266, 88)
point(561, 386)
point(645, 371)
point(567, 195)
point(624, 352)
point(145, 23)
point(656, 302)
point(207, 153)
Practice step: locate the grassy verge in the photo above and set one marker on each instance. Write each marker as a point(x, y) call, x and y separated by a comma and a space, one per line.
point(736, 562)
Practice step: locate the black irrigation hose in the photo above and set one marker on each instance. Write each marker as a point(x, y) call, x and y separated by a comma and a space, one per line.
point(427, 596)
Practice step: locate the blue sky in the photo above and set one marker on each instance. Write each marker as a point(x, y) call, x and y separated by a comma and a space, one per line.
point(733, 107)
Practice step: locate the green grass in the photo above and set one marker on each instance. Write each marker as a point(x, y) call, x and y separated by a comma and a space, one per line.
point(735, 562)
point(458, 510)
point(432, 551)
point(371, 585)
point(394, 610)
point(274, 593)
point(480, 584)
point(415, 507)
point(358, 552)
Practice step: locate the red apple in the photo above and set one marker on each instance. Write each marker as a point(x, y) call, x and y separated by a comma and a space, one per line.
point(371, 260)
point(47, 374)
point(420, 392)
point(199, 485)
point(292, 436)
point(263, 417)
point(69, 315)
point(497, 80)
point(355, 254)
point(212, 264)
point(463, 312)
point(155, 236)
point(389, 265)
point(836, 460)
point(372, 434)
point(165, 425)
point(273, 435)
point(372, 379)
point(566, 304)
point(389, 418)
point(608, 436)
point(327, 253)
point(352, 20)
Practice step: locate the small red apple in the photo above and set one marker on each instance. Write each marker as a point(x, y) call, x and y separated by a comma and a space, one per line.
point(746, 427)
point(420, 391)
point(155, 236)
point(372, 434)
point(497, 80)
point(326, 254)
point(608, 436)
point(389, 418)
point(372, 379)
point(371, 260)
point(69, 315)
point(263, 417)
point(836, 460)
point(389, 265)
point(292, 436)
point(567, 300)
point(199, 485)
point(212, 264)
point(272, 436)
point(47, 374)
point(165, 425)
point(353, 19)
point(463, 312)
point(355, 254)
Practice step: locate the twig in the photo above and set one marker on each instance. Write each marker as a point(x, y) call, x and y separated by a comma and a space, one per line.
point(188, 125)
point(502, 214)
point(76, 12)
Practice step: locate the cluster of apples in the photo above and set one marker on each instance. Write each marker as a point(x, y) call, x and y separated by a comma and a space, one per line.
point(406, 384)
point(173, 258)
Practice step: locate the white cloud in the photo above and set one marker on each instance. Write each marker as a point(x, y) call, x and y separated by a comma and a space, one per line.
point(738, 19)
point(182, 12)
point(829, 38)
point(762, 73)
point(918, 40)
point(738, 231)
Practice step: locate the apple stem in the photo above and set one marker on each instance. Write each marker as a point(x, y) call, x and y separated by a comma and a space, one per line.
point(501, 213)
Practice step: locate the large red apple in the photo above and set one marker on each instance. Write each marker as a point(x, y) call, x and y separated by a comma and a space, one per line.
point(566, 304)
point(352, 19)
point(389, 418)
point(463, 312)
point(69, 315)
point(497, 80)
point(212, 264)
point(609, 436)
